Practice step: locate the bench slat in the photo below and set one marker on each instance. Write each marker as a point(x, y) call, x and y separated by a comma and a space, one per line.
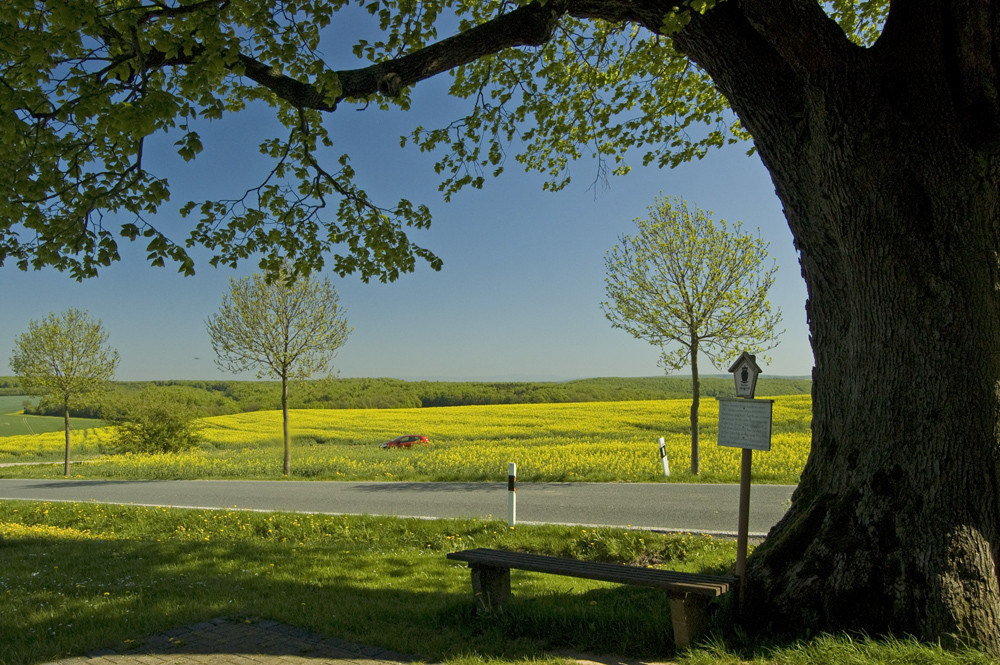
point(705, 585)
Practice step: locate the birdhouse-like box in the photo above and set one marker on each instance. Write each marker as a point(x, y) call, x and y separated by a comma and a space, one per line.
point(745, 371)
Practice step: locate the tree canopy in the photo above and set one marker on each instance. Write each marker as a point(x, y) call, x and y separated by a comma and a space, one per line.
point(89, 84)
point(689, 282)
point(66, 356)
point(690, 285)
point(283, 328)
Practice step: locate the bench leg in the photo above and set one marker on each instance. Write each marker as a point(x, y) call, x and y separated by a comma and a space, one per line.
point(490, 585)
point(687, 614)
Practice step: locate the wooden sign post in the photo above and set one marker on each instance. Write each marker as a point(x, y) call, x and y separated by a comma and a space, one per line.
point(745, 423)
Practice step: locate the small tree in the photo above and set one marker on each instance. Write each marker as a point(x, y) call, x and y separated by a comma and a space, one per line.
point(67, 357)
point(686, 280)
point(150, 421)
point(284, 328)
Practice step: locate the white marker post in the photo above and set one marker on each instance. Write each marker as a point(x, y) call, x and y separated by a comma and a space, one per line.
point(663, 458)
point(511, 494)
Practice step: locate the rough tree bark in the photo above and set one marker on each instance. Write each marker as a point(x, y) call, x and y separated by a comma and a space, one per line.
point(886, 161)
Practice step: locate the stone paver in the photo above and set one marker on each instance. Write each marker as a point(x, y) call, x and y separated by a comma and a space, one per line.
point(225, 641)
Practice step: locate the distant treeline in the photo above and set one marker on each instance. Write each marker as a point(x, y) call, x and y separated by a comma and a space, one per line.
point(224, 397)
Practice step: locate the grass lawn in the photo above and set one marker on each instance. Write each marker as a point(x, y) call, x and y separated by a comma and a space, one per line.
point(80, 577)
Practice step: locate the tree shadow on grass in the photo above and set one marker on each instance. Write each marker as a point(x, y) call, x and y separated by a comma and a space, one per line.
point(249, 636)
point(73, 597)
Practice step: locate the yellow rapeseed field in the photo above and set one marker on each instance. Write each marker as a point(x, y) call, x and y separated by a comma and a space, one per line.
point(593, 441)
point(50, 445)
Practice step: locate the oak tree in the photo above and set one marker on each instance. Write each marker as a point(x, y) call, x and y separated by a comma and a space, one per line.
point(65, 356)
point(879, 124)
point(691, 286)
point(284, 328)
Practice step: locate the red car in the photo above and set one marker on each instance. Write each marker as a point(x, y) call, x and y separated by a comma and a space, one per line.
point(406, 441)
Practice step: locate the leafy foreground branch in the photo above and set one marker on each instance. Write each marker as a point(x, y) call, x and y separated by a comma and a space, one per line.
point(82, 577)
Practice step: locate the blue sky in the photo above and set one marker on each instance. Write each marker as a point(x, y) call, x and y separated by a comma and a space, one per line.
point(519, 295)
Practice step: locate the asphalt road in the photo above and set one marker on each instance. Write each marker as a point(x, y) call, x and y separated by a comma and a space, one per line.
point(660, 506)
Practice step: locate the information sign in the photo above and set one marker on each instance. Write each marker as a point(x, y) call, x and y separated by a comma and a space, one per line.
point(745, 423)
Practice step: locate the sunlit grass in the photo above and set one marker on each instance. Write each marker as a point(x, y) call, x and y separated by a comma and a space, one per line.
point(602, 441)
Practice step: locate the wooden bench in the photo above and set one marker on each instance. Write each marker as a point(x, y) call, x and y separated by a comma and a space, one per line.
point(689, 593)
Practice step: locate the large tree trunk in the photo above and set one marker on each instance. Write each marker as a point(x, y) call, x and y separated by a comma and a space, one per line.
point(886, 162)
point(895, 523)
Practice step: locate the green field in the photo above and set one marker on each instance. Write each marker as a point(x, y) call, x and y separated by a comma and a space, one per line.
point(14, 422)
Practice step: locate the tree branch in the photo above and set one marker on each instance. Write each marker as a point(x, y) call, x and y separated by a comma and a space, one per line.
point(958, 44)
point(744, 66)
point(530, 25)
point(801, 33)
point(298, 94)
point(159, 10)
